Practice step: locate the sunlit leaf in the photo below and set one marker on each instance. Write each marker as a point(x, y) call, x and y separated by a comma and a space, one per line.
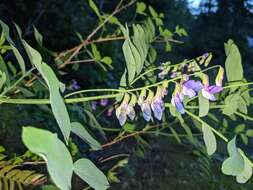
point(130, 60)
point(247, 171)
point(53, 151)
point(203, 105)
point(57, 103)
point(86, 170)
point(234, 164)
point(209, 139)
point(233, 64)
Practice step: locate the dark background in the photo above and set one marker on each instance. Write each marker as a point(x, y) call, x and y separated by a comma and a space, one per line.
point(208, 26)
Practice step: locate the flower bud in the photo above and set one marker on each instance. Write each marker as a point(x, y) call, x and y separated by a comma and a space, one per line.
point(219, 77)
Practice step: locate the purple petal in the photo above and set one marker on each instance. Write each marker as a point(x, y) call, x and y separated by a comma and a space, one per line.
point(103, 102)
point(208, 95)
point(122, 118)
point(192, 84)
point(175, 101)
point(158, 108)
point(109, 112)
point(214, 89)
point(188, 92)
point(94, 105)
point(146, 111)
point(131, 113)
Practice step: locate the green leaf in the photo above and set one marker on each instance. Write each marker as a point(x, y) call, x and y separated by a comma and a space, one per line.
point(244, 138)
point(247, 171)
point(153, 12)
point(203, 105)
point(168, 47)
point(140, 7)
point(249, 132)
point(234, 165)
point(106, 60)
point(57, 103)
point(129, 127)
point(130, 60)
point(231, 104)
point(209, 139)
point(242, 105)
point(2, 79)
point(94, 8)
point(81, 132)
point(233, 63)
point(95, 52)
point(239, 128)
point(4, 69)
point(38, 36)
point(12, 44)
point(53, 151)
point(93, 122)
point(49, 187)
point(86, 170)
point(123, 79)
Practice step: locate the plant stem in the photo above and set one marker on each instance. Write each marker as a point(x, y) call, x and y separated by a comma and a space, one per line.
point(203, 122)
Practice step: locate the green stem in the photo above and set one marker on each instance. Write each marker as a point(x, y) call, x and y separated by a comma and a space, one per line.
point(238, 85)
point(143, 74)
point(244, 116)
point(211, 107)
point(17, 82)
point(47, 101)
point(203, 122)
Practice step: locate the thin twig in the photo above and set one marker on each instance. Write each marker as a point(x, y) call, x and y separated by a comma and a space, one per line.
point(113, 157)
point(87, 40)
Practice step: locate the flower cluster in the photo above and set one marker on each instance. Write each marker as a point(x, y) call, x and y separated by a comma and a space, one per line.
point(152, 104)
point(148, 102)
point(186, 67)
point(190, 88)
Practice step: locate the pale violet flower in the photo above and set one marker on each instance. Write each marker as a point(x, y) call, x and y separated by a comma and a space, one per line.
point(190, 87)
point(122, 110)
point(145, 107)
point(146, 111)
point(103, 102)
point(209, 91)
point(130, 110)
point(157, 104)
point(177, 99)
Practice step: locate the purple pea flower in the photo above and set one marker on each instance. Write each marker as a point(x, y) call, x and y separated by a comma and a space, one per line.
point(94, 105)
point(103, 102)
point(157, 104)
point(146, 110)
point(209, 91)
point(122, 110)
point(190, 87)
point(74, 85)
point(109, 112)
point(130, 112)
point(145, 106)
point(157, 107)
point(121, 113)
point(177, 101)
